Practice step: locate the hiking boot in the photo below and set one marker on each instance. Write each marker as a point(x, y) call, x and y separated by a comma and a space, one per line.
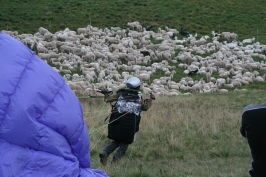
point(116, 158)
point(103, 157)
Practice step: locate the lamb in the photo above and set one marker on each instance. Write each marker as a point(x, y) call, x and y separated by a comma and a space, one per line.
point(229, 85)
point(223, 90)
point(196, 88)
point(50, 45)
point(89, 57)
point(61, 36)
point(112, 40)
point(199, 42)
point(30, 42)
point(259, 79)
point(145, 77)
point(146, 90)
point(92, 28)
point(166, 56)
point(42, 49)
point(133, 24)
point(245, 41)
point(48, 36)
point(170, 34)
point(42, 30)
point(220, 82)
point(177, 41)
point(231, 45)
point(82, 31)
point(236, 83)
point(227, 36)
point(208, 76)
point(249, 51)
point(173, 85)
point(174, 31)
point(11, 33)
point(135, 41)
point(44, 56)
point(139, 27)
point(120, 32)
point(170, 93)
point(215, 34)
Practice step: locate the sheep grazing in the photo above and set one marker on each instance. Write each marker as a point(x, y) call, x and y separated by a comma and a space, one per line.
point(227, 36)
point(263, 51)
point(215, 34)
point(11, 33)
point(184, 33)
point(192, 73)
point(248, 41)
point(145, 53)
point(99, 54)
point(148, 28)
point(134, 25)
point(174, 31)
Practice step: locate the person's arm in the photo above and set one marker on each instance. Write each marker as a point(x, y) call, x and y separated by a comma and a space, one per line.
point(243, 132)
point(147, 103)
point(243, 125)
point(111, 98)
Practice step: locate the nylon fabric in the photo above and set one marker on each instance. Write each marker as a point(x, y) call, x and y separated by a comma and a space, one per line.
point(42, 130)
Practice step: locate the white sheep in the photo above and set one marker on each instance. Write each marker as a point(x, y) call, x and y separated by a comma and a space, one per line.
point(42, 30)
point(99, 61)
point(249, 51)
point(197, 88)
point(11, 33)
point(248, 41)
point(259, 79)
point(133, 24)
point(82, 31)
point(228, 36)
point(223, 90)
point(174, 31)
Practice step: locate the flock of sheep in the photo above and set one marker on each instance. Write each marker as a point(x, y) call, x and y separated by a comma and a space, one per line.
point(91, 58)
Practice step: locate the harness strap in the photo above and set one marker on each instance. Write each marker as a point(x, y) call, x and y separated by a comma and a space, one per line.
point(112, 108)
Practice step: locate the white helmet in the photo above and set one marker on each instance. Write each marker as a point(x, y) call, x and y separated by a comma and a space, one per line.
point(133, 82)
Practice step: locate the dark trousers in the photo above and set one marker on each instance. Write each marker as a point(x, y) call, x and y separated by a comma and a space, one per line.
point(122, 148)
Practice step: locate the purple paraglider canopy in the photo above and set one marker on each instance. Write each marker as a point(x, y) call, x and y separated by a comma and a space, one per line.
point(42, 130)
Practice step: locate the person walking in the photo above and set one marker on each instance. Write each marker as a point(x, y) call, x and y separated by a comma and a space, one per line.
point(125, 118)
point(254, 129)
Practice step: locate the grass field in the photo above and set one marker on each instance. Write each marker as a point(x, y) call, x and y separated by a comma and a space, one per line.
point(183, 136)
point(245, 17)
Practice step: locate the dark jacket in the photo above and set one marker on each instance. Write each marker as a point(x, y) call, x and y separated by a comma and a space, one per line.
point(254, 129)
point(123, 125)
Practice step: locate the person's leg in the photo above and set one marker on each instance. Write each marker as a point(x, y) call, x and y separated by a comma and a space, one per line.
point(111, 147)
point(107, 151)
point(120, 152)
point(257, 146)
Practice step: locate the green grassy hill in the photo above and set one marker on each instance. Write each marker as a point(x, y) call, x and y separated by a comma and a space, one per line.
point(183, 136)
point(245, 17)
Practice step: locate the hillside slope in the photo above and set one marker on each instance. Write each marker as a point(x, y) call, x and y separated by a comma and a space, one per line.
point(242, 17)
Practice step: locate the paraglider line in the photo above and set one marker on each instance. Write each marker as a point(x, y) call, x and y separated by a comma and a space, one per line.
point(107, 124)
